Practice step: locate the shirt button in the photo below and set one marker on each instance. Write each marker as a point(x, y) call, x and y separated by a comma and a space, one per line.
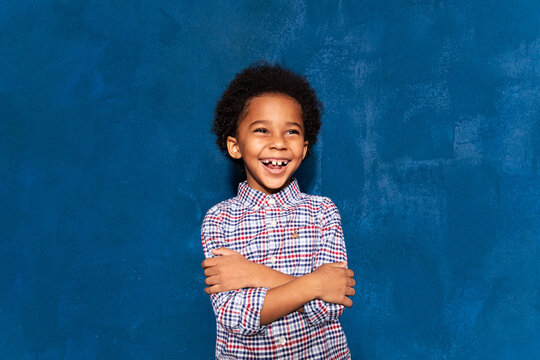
point(282, 340)
point(273, 260)
point(271, 201)
point(273, 223)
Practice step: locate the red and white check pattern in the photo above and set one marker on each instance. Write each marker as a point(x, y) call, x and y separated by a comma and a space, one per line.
point(291, 232)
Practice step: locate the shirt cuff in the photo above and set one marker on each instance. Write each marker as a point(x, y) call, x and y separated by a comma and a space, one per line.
point(318, 311)
point(252, 317)
point(240, 311)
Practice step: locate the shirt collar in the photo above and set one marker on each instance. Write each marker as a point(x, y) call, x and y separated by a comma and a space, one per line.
point(254, 198)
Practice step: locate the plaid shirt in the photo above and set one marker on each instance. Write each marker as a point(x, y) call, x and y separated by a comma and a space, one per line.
point(293, 233)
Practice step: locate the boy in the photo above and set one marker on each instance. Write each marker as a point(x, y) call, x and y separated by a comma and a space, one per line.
point(275, 257)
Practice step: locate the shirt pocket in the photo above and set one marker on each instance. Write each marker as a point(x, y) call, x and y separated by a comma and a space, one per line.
point(299, 250)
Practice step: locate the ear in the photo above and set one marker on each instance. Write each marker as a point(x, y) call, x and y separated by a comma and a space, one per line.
point(232, 148)
point(305, 149)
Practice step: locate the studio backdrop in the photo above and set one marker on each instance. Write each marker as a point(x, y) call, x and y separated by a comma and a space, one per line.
point(430, 147)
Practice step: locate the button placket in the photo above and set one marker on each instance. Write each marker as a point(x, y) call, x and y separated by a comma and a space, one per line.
point(271, 223)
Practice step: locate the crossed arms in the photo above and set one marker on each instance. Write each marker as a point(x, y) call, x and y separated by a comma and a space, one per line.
point(331, 282)
point(247, 295)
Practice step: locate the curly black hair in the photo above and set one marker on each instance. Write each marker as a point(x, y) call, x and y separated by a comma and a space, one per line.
point(264, 78)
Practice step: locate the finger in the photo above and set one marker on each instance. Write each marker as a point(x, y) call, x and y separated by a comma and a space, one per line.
point(208, 262)
point(223, 251)
point(342, 264)
point(214, 289)
point(217, 251)
point(350, 292)
point(349, 273)
point(211, 280)
point(347, 302)
point(210, 271)
point(351, 282)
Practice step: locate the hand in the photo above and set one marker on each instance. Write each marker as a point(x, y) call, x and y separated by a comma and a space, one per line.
point(228, 271)
point(334, 282)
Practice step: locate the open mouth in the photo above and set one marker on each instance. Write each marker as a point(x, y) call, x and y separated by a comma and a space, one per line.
point(275, 164)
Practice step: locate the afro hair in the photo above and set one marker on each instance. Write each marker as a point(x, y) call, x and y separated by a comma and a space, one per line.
point(263, 78)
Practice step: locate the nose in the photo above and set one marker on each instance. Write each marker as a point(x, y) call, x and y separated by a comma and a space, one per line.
point(278, 142)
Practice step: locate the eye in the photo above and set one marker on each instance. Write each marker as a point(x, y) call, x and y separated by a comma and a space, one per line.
point(293, 131)
point(261, 130)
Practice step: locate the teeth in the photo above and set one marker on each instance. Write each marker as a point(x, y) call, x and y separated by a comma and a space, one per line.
point(276, 162)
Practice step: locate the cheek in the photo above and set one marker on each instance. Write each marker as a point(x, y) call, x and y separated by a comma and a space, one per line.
point(300, 148)
point(256, 143)
point(251, 148)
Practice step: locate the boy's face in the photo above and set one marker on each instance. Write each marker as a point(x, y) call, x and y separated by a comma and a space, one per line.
point(270, 141)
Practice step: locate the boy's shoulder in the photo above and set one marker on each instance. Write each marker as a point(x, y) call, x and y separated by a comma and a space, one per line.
point(225, 206)
point(323, 206)
point(318, 201)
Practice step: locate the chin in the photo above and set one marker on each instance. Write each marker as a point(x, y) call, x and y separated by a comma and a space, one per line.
point(277, 185)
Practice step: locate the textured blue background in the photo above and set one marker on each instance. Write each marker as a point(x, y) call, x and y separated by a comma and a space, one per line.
point(430, 148)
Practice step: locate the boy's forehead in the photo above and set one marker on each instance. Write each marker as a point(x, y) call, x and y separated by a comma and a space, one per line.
point(272, 108)
point(270, 101)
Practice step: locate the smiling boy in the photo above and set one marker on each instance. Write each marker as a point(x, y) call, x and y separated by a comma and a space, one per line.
point(269, 140)
point(275, 257)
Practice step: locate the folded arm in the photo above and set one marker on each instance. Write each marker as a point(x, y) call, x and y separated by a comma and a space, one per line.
point(229, 270)
point(237, 310)
point(332, 282)
point(331, 249)
point(321, 294)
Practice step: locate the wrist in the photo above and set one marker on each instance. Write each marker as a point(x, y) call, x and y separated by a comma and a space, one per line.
point(256, 277)
point(313, 285)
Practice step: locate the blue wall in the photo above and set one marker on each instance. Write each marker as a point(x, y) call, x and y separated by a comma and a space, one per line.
point(430, 148)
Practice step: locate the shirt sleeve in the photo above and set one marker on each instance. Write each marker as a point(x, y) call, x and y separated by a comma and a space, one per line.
point(331, 249)
point(237, 311)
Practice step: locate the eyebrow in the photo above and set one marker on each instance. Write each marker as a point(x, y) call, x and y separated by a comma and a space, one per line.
point(266, 122)
point(257, 122)
point(294, 123)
